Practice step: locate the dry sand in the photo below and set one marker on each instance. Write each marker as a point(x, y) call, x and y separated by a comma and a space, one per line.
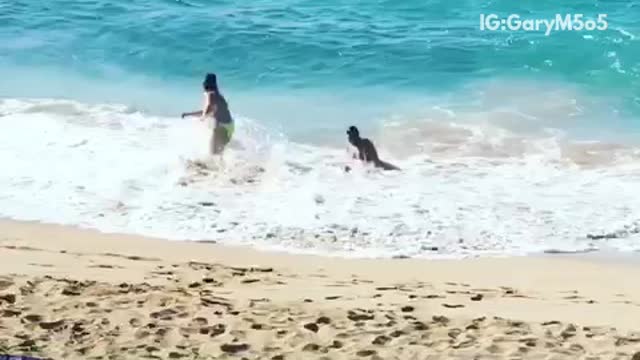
point(73, 294)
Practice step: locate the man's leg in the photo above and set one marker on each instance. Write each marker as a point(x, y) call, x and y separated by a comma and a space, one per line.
point(219, 140)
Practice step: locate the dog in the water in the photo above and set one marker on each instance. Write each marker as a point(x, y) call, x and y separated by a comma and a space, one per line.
point(366, 150)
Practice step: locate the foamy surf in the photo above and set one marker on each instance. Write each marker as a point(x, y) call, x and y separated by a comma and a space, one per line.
point(474, 182)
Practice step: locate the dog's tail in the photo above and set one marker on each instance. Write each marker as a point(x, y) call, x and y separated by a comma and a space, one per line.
point(386, 166)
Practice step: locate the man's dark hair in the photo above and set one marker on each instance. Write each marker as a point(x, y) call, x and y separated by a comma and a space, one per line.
point(210, 82)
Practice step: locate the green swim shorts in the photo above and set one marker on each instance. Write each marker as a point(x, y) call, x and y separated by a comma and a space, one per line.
point(229, 128)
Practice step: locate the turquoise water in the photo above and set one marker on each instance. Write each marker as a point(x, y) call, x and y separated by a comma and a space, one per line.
point(510, 142)
point(297, 48)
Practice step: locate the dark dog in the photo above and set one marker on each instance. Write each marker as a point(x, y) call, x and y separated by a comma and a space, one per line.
point(366, 150)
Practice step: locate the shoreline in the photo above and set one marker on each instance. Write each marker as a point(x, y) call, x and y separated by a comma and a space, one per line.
point(592, 255)
point(606, 255)
point(114, 286)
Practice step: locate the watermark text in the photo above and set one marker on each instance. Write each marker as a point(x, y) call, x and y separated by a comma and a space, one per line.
point(559, 22)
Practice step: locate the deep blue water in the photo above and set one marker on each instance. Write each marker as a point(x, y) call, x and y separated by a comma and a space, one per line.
point(153, 53)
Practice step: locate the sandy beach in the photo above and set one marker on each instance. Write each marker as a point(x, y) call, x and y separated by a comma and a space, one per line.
point(75, 294)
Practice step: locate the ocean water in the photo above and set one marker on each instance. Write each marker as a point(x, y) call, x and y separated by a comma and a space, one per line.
point(510, 142)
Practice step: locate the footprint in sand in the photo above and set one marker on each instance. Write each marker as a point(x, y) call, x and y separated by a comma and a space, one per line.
point(8, 313)
point(360, 315)
point(42, 265)
point(130, 257)
point(453, 306)
point(5, 283)
point(106, 266)
point(313, 327)
point(8, 298)
point(234, 348)
point(24, 248)
point(433, 296)
point(56, 325)
point(165, 314)
point(464, 292)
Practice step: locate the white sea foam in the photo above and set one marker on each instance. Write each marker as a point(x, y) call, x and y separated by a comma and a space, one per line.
point(500, 180)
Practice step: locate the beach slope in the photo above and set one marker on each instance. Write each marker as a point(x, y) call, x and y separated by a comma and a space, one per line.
point(75, 294)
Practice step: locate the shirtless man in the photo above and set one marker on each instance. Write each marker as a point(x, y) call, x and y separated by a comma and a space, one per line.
point(366, 150)
point(215, 105)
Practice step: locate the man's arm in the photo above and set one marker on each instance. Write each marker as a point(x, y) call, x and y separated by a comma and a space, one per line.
point(207, 108)
point(193, 113)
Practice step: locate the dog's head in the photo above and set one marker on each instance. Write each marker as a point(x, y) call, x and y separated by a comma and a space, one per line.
point(353, 134)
